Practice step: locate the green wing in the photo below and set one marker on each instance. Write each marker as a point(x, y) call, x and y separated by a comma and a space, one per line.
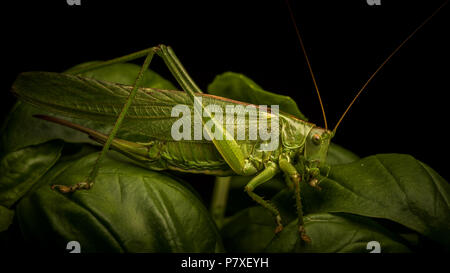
point(149, 116)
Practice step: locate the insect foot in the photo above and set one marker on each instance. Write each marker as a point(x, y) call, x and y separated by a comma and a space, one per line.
point(303, 236)
point(279, 227)
point(315, 183)
point(68, 189)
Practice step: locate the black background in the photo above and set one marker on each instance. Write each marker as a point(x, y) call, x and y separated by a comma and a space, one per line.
point(403, 111)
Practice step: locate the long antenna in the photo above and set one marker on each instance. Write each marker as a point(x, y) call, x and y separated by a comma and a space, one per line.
point(307, 61)
point(385, 61)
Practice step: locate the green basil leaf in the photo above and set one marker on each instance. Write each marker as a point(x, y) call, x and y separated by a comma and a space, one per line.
point(129, 209)
point(339, 155)
point(20, 170)
point(392, 186)
point(21, 130)
point(6, 218)
point(332, 233)
point(238, 87)
point(252, 230)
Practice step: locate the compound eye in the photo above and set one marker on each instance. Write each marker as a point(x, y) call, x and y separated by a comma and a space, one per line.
point(316, 139)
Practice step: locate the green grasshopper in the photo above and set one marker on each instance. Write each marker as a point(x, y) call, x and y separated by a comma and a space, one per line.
point(300, 155)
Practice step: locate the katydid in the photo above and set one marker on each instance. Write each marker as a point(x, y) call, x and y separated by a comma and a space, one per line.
point(301, 152)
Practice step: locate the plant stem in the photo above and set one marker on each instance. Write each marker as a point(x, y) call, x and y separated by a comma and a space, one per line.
point(219, 199)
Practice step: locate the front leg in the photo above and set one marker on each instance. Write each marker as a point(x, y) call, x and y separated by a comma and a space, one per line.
point(294, 176)
point(268, 173)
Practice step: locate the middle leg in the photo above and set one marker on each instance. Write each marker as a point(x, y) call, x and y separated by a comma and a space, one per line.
point(269, 172)
point(295, 178)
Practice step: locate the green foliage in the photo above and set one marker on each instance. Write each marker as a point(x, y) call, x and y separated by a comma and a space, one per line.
point(390, 198)
point(6, 218)
point(251, 230)
point(130, 209)
point(391, 186)
point(238, 87)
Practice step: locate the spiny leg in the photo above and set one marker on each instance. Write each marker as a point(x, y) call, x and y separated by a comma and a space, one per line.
point(315, 182)
point(165, 52)
point(301, 224)
point(176, 69)
point(147, 154)
point(90, 179)
point(311, 176)
point(295, 177)
point(269, 172)
point(228, 147)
